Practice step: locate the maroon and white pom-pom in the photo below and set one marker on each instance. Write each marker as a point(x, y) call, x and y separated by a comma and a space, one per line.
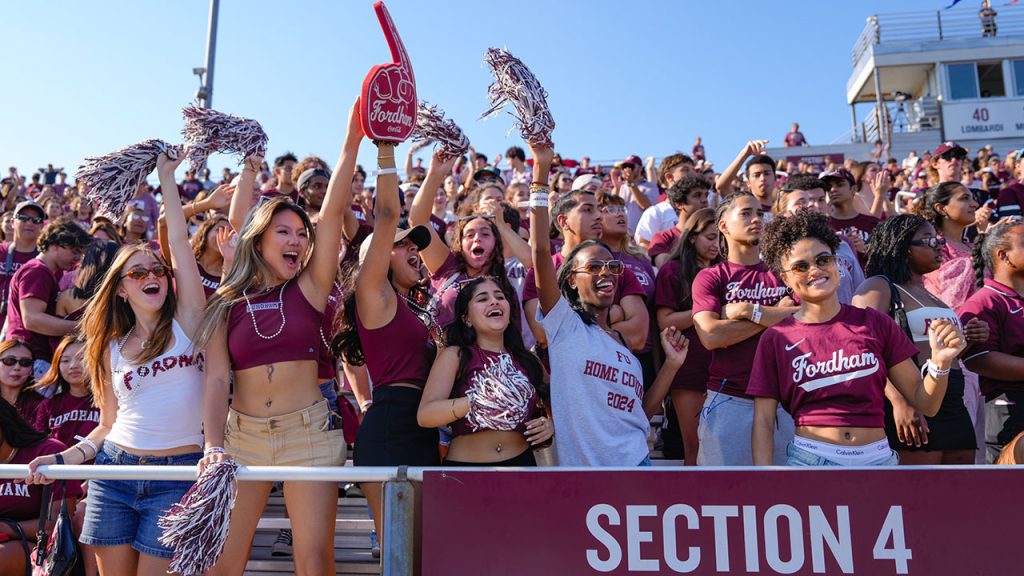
point(513, 82)
point(208, 131)
point(197, 527)
point(112, 180)
point(499, 396)
point(431, 126)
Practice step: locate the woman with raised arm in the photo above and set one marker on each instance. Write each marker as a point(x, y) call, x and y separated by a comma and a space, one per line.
point(481, 242)
point(146, 377)
point(828, 363)
point(485, 383)
point(601, 411)
point(385, 325)
point(260, 326)
point(901, 251)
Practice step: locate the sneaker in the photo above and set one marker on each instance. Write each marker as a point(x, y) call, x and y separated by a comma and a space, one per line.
point(374, 545)
point(283, 545)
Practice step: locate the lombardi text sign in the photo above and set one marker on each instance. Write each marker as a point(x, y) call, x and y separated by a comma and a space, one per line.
point(984, 119)
point(926, 521)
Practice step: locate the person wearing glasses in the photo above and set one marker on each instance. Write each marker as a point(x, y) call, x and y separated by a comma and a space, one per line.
point(902, 250)
point(22, 249)
point(480, 245)
point(829, 362)
point(733, 302)
point(32, 299)
point(601, 411)
point(146, 376)
point(16, 379)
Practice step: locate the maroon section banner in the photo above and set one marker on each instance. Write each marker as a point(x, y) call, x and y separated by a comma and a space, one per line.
point(926, 521)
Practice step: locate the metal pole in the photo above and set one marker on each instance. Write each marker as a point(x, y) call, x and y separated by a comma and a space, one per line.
point(853, 116)
point(399, 526)
point(206, 95)
point(938, 17)
point(881, 115)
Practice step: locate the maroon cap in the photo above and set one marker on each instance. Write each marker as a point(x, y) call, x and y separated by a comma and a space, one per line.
point(946, 147)
point(838, 173)
point(634, 160)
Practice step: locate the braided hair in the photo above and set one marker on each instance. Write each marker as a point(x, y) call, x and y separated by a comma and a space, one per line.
point(985, 246)
point(571, 293)
point(889, 246)
point(723, 208)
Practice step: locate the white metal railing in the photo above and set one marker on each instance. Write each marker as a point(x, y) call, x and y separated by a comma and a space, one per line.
point(932, 26)
point(259, 473)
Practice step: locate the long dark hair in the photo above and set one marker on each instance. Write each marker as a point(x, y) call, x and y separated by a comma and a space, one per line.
point(496, 268)
point(461, 334)
point(685, 250)
point(571, 294)
point(939, 194)
point(889, 245)
point(53, 376)
point(26, 390)
point(16, 431)
point(985, 246)
point(95, 264)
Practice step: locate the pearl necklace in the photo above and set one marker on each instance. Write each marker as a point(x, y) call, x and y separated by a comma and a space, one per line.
point(280, 307)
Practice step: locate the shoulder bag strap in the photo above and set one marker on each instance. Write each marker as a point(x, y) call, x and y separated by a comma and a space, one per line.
point(42, 537)
point(16, 526)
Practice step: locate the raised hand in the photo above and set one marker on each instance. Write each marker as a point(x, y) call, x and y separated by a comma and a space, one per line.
point(220, 198)
point(675, 345)
point(946, 343)
point(755, 147)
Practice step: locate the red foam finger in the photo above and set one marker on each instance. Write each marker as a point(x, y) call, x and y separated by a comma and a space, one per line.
point(387, 105)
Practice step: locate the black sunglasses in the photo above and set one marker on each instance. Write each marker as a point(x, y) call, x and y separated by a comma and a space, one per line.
point(933, 242)
point(12, 360)
point(32, 219)
point(951, 155)
point(822, 261)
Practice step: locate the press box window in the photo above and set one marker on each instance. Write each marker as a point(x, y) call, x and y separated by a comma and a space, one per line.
point(1018, 75)
point(976, 80)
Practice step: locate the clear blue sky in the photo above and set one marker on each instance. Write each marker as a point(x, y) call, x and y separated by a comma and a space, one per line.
point(637, 77)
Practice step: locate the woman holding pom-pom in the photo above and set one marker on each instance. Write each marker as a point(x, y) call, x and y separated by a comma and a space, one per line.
point(146, 376)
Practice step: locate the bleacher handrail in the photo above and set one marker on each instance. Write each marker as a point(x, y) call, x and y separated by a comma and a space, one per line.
point(256, 473)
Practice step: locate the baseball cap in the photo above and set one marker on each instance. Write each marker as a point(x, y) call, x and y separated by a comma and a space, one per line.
point(308, 175)
point(840, 173)
point(419, 235)
point(581, 181)
point(634, 160)
point(488, 172)
point(30, 204)
point(946, 147)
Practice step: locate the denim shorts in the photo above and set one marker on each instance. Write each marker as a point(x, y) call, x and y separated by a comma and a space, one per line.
point(122, 512)
point(725, 429)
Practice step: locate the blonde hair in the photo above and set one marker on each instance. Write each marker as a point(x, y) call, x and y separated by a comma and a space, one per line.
point(109, 317)
point(248, 270)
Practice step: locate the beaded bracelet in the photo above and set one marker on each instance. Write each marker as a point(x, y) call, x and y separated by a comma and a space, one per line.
point(89, 443)
point(213, 450)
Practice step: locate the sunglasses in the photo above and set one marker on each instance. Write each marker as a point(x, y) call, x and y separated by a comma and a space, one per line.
point(594, 267)
point(953, 155)
point(32, 219)
point(613, 209)
point(933, 242)
point(158, 271)
point(822, 261)
point(12, 360)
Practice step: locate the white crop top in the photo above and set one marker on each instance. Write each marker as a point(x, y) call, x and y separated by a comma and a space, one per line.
point(159, 403)
point(921, 318)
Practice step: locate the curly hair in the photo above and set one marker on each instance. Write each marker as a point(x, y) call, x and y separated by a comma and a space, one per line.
point(985, 246)
point(572, 294)
point(783, 232)
point(678, 192)
point(888, 247)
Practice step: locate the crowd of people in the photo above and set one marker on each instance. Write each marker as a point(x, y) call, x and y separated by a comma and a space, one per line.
point(478, 311)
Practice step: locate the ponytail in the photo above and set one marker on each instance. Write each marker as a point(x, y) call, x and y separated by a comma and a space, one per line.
point(978, 260)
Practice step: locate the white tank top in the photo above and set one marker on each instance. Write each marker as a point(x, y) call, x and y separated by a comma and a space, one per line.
point(159, 403)
point(921, 318)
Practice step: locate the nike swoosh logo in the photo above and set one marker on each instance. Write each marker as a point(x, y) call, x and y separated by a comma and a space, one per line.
point(1017, 310)
point(838, 378)
point(791, 346)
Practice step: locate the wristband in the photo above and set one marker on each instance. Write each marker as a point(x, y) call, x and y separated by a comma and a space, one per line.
point(365, 405)
point(89, 443)
point(933, 370)
point(386, 171)
point(755, 316)
point(213, 450)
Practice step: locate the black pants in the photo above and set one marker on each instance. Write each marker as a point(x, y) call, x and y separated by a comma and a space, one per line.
point(1014, 423)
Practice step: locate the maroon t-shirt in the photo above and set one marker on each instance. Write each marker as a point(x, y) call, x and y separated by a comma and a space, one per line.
point(663, 242)
point(832, 373)
point(725, 283)
point(65, 416)
point(1003, 309)
point(693, 375)
point(20, 501)
point(628, 284)
point(33, 280)
point(645, 275)
point(19, 259)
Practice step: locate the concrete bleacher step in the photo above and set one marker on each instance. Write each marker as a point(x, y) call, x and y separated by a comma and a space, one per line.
point(351, 541)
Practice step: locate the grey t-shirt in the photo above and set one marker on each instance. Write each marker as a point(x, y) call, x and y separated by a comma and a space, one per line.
point(596, 393)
